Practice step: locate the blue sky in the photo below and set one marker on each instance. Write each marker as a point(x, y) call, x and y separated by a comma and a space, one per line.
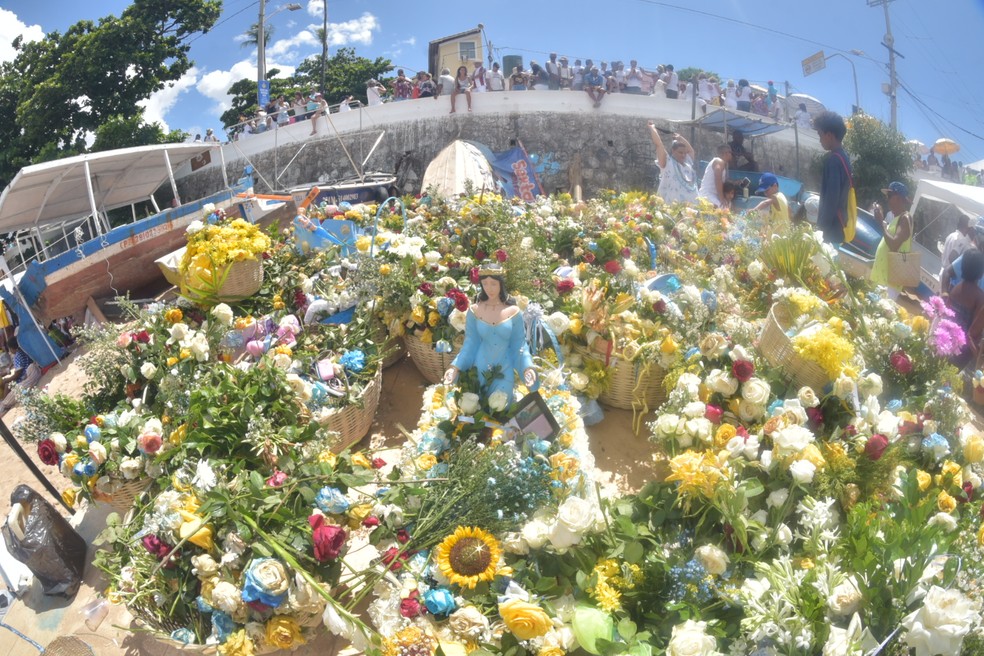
point(755, 39)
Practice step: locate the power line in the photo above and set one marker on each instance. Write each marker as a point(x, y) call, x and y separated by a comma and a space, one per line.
point(224, 20)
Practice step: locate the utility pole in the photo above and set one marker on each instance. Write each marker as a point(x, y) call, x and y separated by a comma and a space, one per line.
point(889, 43)
point(261, 101)
point(324, 48)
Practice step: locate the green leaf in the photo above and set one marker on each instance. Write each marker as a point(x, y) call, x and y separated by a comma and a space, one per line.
point(626, 629)
point(634, 553)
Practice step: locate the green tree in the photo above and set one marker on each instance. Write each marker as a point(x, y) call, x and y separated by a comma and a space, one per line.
point(126, 131)
point(253, 33)
point(58, 91)
point(691, 73)
point(879, 155)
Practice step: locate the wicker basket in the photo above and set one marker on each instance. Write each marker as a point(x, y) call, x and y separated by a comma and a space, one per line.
point(244, 279)
point(978, 394)
point(776, 347)
point(632, 385)
point(390, 342)
point(126, 493)
point(429, 362)
point(353, 421)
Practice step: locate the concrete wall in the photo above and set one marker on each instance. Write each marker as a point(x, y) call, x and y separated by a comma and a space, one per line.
point(558, 129)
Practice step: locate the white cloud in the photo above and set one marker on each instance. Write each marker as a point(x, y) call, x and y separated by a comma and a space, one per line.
point(358, 30)
point(160, 102)
point(215, 84)
point(397, 48)
point(10, 28)
point(286, 49)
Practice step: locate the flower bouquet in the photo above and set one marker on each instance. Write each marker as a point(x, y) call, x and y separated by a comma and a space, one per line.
point(221, 261)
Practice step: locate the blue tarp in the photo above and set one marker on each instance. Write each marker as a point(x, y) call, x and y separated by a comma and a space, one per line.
point(32, 341)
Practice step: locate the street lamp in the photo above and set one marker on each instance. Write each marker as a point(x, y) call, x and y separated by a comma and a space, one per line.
point(262, 85)
point(854, 73)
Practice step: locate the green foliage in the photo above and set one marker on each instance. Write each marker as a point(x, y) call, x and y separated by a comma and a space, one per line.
point(59, 90)
point(691, 73)
point(879, 155)
point(126, 131)
point(45, 414)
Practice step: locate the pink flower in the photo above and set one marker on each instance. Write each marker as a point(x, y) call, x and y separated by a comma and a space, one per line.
point(875, 446)
point(411, 607)
point(277, 480)
point(378, 463)
point(501, 255)
point(742, 370)
point(370, 521)
point(948, 338)
point(149, 443)
point(328, 539)
point(613, 267)
point(713, 414)
point(936, 307)
point(900, 362)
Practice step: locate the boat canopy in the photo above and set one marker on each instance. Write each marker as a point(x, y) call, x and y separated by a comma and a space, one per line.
point(75, 187)
point(723, 119)
point(967, 198)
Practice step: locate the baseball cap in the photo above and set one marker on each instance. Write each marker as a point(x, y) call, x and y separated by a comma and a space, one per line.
point(897, 187)
point(978, 224)
point(766, 181)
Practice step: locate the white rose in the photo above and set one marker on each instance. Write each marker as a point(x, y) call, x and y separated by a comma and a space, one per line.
point(699, 429)
point(432, 257)
point(784, 535)
point(755, 390)
point(498, 401)
point(795, 407)
point(195, 226)
point(153, 469)
point(777, 497)
point(944, 520)
point(668, 425)
point(282, 361)
point(887, 424)
point(223, 314)
point(148, 370)
point(756, 270)
point(271, 576)
point(97, 451)
point(694, 409)
point(558, 322)
point(208, 208)
point(469, 403)
point(204, 566)
point(721, 382)
point(739, 352)
point(713, 345)
point(302, 598)
point(808, 397)
point(199, 346)
point(469, 623)
point(691, 639)
point(748, 411)
point(689, 384)
point(844, 387)
point(575, 517)
point(845, 598)
point(870, 385)
point(579, 381)
point(939, 626)
point(60, 441)
point(766, 459)
point(178, 332)
point(515, 544)
point(714, 560)
point(300, 387)
point(131, 468)
point(535, 533)
point(227, 597)
point(735, 446)
point(791, 440)
point(802, 471)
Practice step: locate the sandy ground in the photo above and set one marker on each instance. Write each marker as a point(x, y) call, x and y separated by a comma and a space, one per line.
point(624, 458)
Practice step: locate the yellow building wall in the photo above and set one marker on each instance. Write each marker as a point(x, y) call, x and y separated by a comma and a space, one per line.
point(449, 55)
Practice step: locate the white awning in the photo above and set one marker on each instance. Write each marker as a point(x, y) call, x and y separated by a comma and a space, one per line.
point(967, 198)
point(57, 191)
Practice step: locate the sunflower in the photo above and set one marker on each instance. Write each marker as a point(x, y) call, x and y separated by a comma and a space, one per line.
point(469, 556)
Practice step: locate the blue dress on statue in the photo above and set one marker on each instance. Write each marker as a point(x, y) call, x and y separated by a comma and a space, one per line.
point(487, 345)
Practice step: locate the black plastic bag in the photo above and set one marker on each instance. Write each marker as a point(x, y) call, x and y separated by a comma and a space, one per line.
point(50, 548)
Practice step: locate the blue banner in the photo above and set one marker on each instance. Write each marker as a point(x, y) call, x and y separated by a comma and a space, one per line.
point(516, 174)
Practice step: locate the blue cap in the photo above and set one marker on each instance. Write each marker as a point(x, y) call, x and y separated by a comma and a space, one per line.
point(897, 188)
point(766, 181)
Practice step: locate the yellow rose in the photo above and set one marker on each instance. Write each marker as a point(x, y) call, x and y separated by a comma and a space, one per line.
point(668, 346)
point(419, 314)
point(173, 315)
point(385, 269)
point(724, 434)
point(924, 479)
point(951, 474)
point(433, 319)
point(576, 325)
point(525, 620)
point(812, 453)
point(238, 644)
point(184, 354)
point(551, 651)
point(328, 457)
point(178, 435)
point(171, 361)
point(360, 460)
point(363, 243)
point(564, 466)
point(945, 502)
point(283, 632)
point(69, 495)
point(973, 449)
point(425, 461)
point(427, 337)
point(566, 439)
point(357, 513)
point(920, 324)
point(980, 536)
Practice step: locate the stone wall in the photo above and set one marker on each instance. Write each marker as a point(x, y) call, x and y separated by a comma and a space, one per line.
point(612, 147)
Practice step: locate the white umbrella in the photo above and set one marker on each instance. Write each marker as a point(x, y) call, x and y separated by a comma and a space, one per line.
point(918, 146)
point(456, 164)
point(813, 106)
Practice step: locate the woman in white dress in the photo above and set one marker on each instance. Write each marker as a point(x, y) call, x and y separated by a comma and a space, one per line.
point(677, 178)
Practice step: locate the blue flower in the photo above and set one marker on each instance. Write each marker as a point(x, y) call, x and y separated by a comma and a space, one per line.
point(183, 635)
point(433, 441)
point(110, 421)
point(442, 346)
point(592, 246)
point(894, 405)
point(93, 433)
point(331, 500)
point(440, 470)
point(539, 446)
point(444, 306)
point(693, 351)
point(354, 360)
point(202, 605)
point(936, 445)
point(439, 602)
point(222, 626)
point(255, 590)
point(776, 407)
point(709, 299)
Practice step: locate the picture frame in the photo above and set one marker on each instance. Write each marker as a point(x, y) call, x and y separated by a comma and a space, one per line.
point(531, 415)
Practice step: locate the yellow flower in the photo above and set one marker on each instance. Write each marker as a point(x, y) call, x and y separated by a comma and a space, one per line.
point(945, 502)
point(566, 439)
point(698, 473)
point(283, 632)
point(468, 556)
point(724, 434)
point(195, 530)
point(609, 599)
point(806, 563)
point(69, 461)
point(328, 457)
point(238, 644)
point(924, 479)
point(576, 325)
point(283, 349)
point(418, 314)
point(668, 346)
point(920, 324)
point(980, 536)
point(812, 454)
point(357, 513)
point(178, 435)
point(563, 466)
point(427, 337)
point(171, 361)
point(425, 461)
point(950, 474)
point(278, 302)
point(360, 460)
point(973, 449)
point(363, 243)
point(173, 315)
point(433, 319)
point(184, 354)
point(525, 620)
point(385, 269)
point(69, 496)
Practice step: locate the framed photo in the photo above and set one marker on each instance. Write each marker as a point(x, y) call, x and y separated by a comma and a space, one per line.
point(533, 416)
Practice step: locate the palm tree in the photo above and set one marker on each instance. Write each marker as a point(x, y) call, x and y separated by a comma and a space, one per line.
point(250, 39)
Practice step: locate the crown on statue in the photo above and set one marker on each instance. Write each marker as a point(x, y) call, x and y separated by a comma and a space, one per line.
point(491, 270)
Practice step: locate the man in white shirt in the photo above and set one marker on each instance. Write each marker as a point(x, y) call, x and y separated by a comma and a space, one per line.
point(672, 82)
point(478, 77)
point(553, 70)
point(494, 79)
point(374, 92)
point(957, 242)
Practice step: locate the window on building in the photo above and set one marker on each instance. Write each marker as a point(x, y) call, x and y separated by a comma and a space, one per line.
point(466, 50)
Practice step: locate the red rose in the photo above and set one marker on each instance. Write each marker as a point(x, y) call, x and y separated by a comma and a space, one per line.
point(394, 559)
point(411, 607)
point(378, 463)
point(742, 370)
point(501, 256)
point(47, 452)
point(900, 362)
point(402, 536)
point(815, 415)
point(370, 522)
point(328, 539)
point(473, 275)
point(613, 267)
point(258, 606)
point(480, 255)
point(277, 480)
point(875, 446)
point(460, 299)
point(589, 257)
point(143, 337)
point(968, 494)
point(713, 414)
point(626, 251)
point(156, 546)
point(426, 288)
point(565, 285)
point(659, 307)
